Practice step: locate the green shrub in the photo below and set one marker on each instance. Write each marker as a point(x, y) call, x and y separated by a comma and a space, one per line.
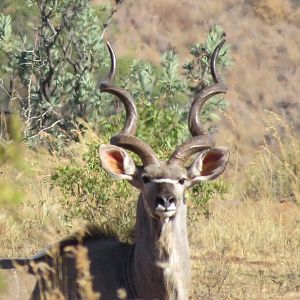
point(48, 74)
point(89, 192)
point(49, 77)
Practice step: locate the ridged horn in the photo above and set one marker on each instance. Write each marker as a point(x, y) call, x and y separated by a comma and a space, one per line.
point(126, 137)
point(200, 140)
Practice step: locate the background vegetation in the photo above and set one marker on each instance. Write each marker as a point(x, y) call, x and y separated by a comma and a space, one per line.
point(56, 66)
point(245, 246)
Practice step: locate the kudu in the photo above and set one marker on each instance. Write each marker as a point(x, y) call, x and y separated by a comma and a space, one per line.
point(157, 266)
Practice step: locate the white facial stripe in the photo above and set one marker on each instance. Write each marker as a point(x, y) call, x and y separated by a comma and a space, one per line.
point(167, 180)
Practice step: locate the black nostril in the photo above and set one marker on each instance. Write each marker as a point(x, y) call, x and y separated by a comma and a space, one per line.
point(161, 201)
point(171, 200)
point(165, 201)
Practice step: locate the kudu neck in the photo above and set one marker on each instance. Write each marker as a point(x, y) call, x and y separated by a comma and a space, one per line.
point(151, 229)
point(161, 261)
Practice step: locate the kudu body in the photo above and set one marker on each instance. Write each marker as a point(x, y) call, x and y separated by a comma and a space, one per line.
point(157, 266)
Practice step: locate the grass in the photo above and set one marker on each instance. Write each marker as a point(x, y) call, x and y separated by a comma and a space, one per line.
point(23, 225)
point(274, 173)
point(247, 251)
point(247, 248)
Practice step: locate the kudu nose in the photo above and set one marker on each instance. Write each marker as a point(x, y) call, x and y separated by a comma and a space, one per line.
point(165, 201)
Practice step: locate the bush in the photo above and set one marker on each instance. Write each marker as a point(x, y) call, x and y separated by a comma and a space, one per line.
point(89, 192)
point(49, 78)
point(47, 75)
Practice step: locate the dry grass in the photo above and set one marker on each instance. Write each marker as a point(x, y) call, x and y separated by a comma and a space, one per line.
point(273, 11)
point(247, 251)
point(38, 219)
point(274, 172)
point(249, 248)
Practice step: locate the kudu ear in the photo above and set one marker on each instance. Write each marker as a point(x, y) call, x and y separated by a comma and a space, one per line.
point(208, 165)
point(117, 162)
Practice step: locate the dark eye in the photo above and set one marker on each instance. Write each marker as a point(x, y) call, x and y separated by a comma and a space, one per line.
point(182, 180)
point(145, 179)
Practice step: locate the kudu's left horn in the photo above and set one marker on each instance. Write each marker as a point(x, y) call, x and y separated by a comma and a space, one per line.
point(126, 137)
point(200, 140)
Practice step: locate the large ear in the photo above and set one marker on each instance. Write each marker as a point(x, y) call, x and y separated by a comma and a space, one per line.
point(117, 162)
point(208, 165)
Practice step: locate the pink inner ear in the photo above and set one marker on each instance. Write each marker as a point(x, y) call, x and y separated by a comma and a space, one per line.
point(115, 161)
point(211, 162)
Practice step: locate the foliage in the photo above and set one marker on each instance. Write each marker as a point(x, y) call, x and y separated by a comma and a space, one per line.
point(201, 195)
point(163, 93)
point(89, 192)
point(197, 70)
point(48, 77)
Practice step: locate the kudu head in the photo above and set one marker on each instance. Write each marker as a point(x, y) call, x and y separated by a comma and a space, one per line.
point(163, 183)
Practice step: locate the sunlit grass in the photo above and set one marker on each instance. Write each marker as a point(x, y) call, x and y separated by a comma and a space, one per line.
point(248, 245)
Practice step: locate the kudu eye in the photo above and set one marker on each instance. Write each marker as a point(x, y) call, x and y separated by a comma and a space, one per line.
point(145, 179)
point(182, 181)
